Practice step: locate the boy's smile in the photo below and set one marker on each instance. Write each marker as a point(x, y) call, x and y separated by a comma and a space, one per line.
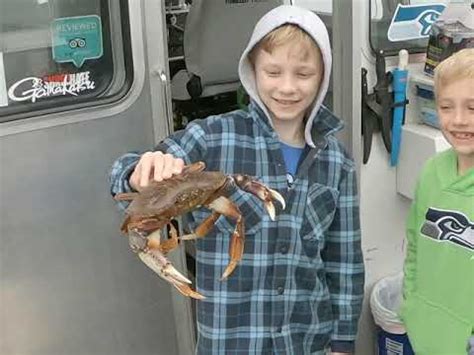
point(288, 81)
point(455, 104)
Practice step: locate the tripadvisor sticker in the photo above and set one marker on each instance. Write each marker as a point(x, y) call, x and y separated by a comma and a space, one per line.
point(76, 39)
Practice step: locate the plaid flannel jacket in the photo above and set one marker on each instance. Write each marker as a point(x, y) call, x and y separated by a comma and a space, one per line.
point(299, 286)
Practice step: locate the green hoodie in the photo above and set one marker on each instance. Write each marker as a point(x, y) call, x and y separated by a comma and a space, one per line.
point(438, 309)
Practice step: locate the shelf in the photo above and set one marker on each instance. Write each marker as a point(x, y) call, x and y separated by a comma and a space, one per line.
point(419, 143)
point(418, 77)
point(174, 59)
point(176, 11)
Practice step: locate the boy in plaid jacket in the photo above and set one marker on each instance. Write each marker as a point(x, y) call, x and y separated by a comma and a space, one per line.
point(299, 286)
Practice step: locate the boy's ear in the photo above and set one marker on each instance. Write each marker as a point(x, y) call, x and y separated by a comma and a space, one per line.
point(253, 53)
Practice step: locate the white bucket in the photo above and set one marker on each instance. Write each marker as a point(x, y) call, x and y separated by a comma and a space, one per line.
point(385, 302)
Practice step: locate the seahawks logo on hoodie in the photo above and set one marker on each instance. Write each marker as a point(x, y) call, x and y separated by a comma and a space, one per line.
point(449, 226)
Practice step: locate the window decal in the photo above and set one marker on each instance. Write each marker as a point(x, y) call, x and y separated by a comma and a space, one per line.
point(413, 21)
point(77, 39)
point(33, 88)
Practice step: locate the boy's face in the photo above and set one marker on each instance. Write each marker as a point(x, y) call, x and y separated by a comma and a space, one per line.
point(455, 105)
point(288, 81)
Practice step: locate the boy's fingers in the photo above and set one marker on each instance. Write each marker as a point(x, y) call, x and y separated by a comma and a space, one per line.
point(158, 163)
point(146, 166)
point(154, 166)
point(178, 165)
point(168, 166)
point(135, 178)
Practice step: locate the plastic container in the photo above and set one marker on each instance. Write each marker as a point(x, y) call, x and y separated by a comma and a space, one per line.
point(385, 302)
point(424, 104)
point(427, 105)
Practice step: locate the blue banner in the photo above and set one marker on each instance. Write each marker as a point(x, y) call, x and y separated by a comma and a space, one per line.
point(413, 21)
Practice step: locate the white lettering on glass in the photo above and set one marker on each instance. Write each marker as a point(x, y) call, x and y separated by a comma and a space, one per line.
point(33, 88)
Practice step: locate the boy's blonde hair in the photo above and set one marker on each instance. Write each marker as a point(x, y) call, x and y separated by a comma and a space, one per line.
point(287, 33)
point(456, 67)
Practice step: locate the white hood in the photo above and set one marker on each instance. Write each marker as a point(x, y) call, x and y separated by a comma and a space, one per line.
point(315, 27)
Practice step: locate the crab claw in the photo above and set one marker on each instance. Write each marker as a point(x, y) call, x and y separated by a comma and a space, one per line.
point(276, 196)
point(263, 192)
point(188, 291)
point(156, 261)
point(269, 204)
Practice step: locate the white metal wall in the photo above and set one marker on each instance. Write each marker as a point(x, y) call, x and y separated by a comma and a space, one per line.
point(69, 282)
point(383, 210)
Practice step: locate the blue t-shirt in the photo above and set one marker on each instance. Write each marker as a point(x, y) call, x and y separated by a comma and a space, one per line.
point(292, 156)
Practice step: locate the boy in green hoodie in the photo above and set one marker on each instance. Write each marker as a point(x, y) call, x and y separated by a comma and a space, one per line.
point(438, 309)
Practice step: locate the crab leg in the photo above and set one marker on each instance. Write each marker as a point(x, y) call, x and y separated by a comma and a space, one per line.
point(188, 291)
point(145, 225)
point(258, 189)
point(203, 228)
point(236, 248)
point(195, 167)
point(156, 261)
point(222, 205)
point(153, 256)
point(167, 245)
point(126, 196)
point(183, 288)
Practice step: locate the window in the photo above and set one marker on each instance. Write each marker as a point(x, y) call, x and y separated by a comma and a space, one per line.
point(56, 55)
point(402, 24)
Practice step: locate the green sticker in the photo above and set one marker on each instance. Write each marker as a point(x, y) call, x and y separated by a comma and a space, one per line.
point(76, 39)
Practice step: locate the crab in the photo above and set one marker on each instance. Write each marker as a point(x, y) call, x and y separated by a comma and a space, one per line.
point(154, 208)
